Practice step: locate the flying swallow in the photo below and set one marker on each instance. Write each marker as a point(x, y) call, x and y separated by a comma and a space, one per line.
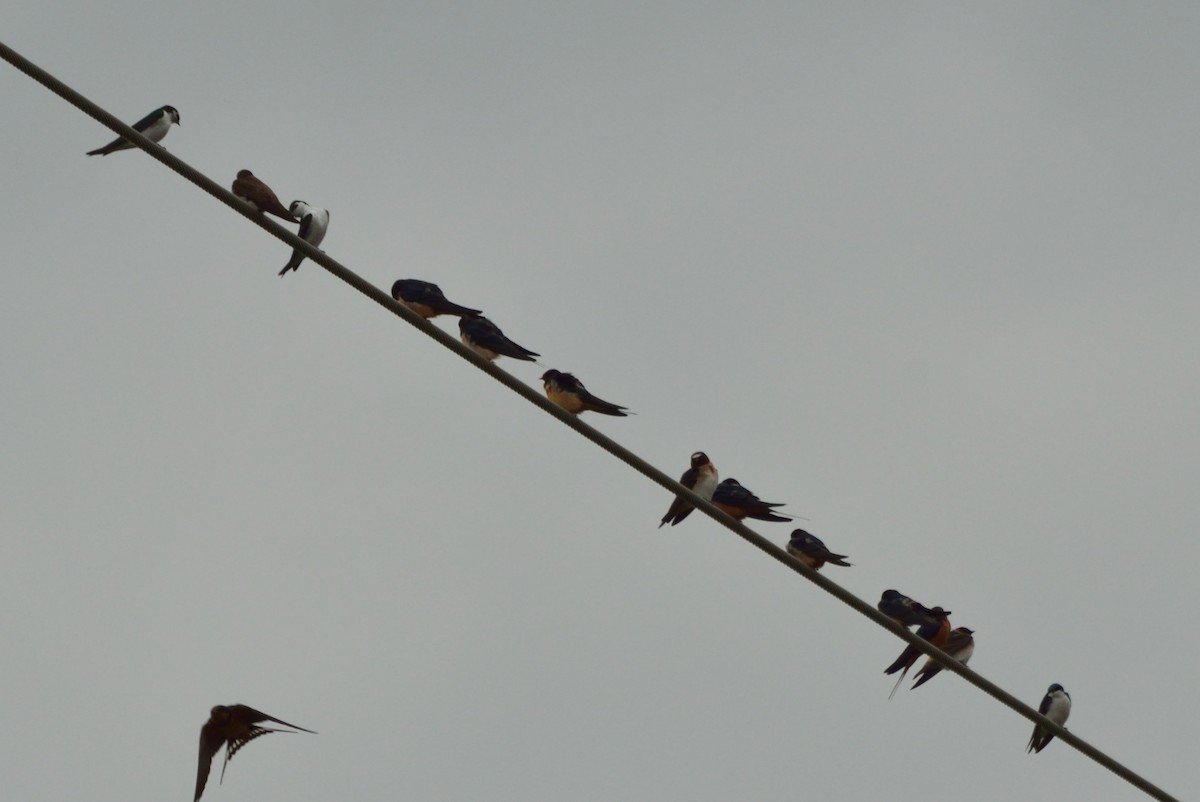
point(247, 187)
point(739, 502)
point(1056, 706)
point(485, 338)
point(427, 299)
point(808, 549)
point(231, 726)
point(314, 223)
point(701, 479)
point(153, 126)
point(904, 611)
point(936, 633)
point(570, 394)
point(960, 645)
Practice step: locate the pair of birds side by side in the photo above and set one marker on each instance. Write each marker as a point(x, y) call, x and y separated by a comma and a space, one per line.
point(314, 222)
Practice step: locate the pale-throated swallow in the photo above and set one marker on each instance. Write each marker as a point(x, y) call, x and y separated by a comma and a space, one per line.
point(936, 633)
point(701, 479)
point(904, 611)
point(739, 502)
point(808, 549)
point(485, 338)
point(231, 726)
point(248, 187)
point(1056, 706)
point(153, 126)
point(960, 645)
point(314, 223)
point(427, 299)
point(570, 394)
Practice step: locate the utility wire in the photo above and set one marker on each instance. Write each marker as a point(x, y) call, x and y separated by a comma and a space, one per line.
point(609, 445)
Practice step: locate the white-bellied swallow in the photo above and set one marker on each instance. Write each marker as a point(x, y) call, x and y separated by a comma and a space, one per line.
point(960, 645)
point(427, 300)
point(904, 611)
point(314, 223)
point(808, 549)
point(1056, 706)
point(936, 633)
point(570, 394)
point(485, 338)
point(701, 479)
point(739, 502)
point(153, 126)
point(231, 726)
point(249, 188)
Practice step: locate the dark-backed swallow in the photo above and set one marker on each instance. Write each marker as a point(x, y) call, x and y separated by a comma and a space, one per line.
point(936, 633)
point(739, 502)
point(701, 479)
point(314, 223)
point(570, 394)
point(485, 338)
point(904, 611)
point(1056, 706)
point(153, 126)
point(231, 726)
point(427, 299)
point(247, 187)
point(808, 549)
point(960, 645)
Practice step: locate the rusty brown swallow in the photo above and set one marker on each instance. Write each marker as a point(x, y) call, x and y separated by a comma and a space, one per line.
point(247, 187)
point(231, 726)
point(960, 645)
point(427, 299)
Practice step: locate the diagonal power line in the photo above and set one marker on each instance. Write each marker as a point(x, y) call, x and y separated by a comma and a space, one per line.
point(617, 450)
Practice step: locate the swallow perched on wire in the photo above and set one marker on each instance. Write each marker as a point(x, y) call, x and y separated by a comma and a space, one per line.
point(1056, 706)
point(960, 645)
point(904, 611)
point(314, 223)
point(739, 502)
point(936, 633)
point(153, 126)
point(808, 549)
point(427, 299)
point(231, 726)
point(701, 479)
point(485, 338)
point(570, 394)
point(249, 188)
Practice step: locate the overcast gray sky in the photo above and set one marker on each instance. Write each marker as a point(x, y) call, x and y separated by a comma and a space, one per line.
point(925, 272)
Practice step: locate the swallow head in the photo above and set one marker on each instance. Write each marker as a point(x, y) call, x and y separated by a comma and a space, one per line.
point(699, 458)
point(173, 113)
point(296, 206)
point(244, 174)
point(551, 376)
point(219, 713)
point(1053, 688)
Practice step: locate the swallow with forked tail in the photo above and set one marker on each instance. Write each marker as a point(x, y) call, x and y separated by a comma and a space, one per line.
point(739, 502)
point(570, 394)
point(231, 726)
point(808, 549)
point(485, 338)
point(427, 300)
point(936, 633)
